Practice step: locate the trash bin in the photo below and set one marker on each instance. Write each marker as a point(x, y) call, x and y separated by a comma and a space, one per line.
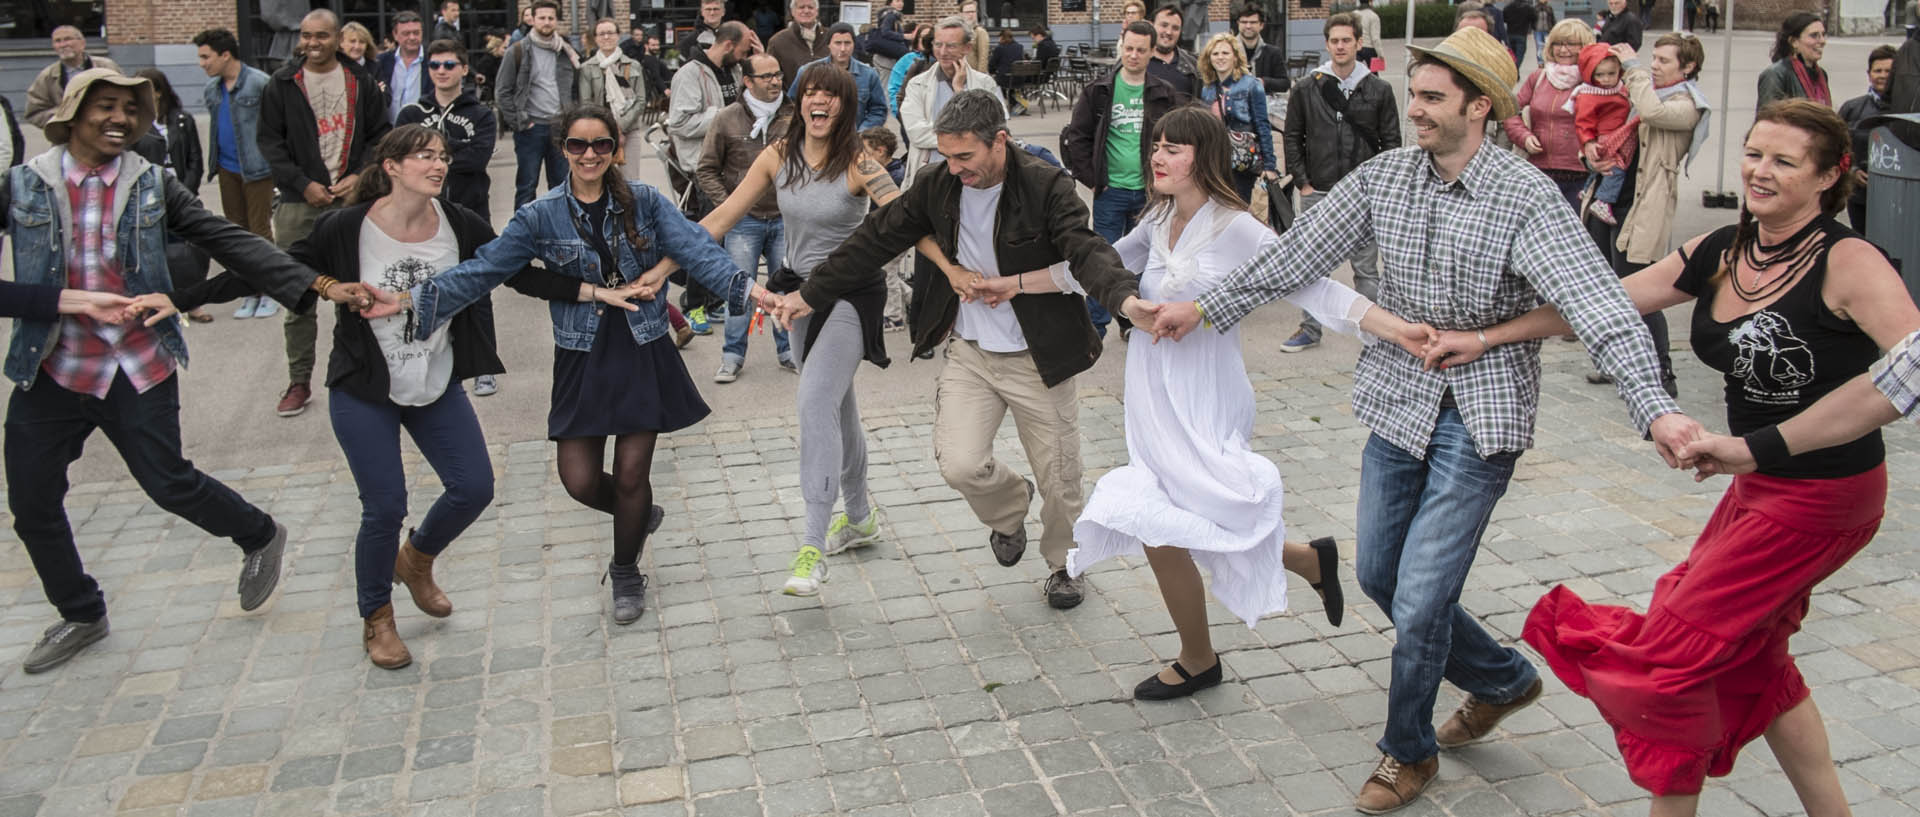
point(1893, 192)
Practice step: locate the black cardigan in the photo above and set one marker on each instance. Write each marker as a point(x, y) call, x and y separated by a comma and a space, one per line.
point(356, 364)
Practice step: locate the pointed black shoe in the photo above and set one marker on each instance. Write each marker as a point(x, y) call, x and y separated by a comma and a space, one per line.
point(1331, 595)
point(1154, 689)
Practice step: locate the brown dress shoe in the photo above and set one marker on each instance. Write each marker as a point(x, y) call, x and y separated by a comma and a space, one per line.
point(382, 641)
point(415, 570)
point(1394, 784)
point(1475, 718)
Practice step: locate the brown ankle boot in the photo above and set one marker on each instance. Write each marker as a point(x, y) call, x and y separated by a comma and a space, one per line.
point(382, 641)
point(415, 570)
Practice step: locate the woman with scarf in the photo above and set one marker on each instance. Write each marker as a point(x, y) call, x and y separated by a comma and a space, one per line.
point(617, 82)
point(1239, 99)
point(1796, 72)
point(1546, 132)
point(1672, 115)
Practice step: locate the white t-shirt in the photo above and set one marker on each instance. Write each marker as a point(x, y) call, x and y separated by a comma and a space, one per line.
point(996, 328)
point(418, 369)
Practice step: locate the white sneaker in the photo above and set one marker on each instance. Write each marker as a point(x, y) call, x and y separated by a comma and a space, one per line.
point(485, 385)
point(809, 572)
point(729, 372)
point(843, 534)
point(248, 306)
point(266, 309)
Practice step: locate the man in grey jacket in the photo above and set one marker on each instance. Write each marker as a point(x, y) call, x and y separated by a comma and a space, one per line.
point(536, 83)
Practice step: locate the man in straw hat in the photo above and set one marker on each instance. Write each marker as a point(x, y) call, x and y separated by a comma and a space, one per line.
point(1469, 236)
point(89, 214)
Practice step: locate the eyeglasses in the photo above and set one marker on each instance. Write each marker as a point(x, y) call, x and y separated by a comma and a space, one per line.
point(767, 75)
point(431, 156)
point(443, 65)
point(578, 147)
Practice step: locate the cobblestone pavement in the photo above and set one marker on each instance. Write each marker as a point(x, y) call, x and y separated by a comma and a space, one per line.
point(926, 680)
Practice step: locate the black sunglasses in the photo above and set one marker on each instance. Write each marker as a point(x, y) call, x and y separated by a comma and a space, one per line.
point(578, 147)
point(773, 73)
point(443, 65)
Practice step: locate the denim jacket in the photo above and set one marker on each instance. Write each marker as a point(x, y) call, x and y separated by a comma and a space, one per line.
point(246, 122)
point(548, 230)
point(147, 206)
point(1246, 109)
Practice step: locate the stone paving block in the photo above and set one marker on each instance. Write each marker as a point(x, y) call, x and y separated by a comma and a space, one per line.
point(166, 790)
point(652, 786)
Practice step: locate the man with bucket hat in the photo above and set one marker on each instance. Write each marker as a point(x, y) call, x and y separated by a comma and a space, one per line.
point(1469, 236)
point(89, 214)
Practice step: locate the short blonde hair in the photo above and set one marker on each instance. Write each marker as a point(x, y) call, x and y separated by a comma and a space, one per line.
point(1571, 32)
point(360, 31)
point(1208, 74)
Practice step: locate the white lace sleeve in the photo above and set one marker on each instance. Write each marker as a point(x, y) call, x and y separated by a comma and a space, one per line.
point(1335, 305)
point(1063, 278)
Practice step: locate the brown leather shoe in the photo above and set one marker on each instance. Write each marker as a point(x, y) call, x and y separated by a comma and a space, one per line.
point(294, 400)
point(1475, 718)
point(382, 641)
point(415, 570)
point(1393, 784)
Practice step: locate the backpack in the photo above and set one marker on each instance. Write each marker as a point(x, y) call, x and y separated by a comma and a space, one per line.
point(13, 132)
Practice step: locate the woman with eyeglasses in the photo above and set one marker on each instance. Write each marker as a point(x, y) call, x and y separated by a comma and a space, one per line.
point(1796, 72)
point(616, 373)
point(383, 376)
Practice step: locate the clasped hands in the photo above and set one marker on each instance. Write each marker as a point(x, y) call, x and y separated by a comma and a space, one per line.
point(153, 307)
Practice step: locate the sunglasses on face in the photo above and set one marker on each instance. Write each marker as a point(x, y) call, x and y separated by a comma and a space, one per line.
point(578, 147)
point(443, 65)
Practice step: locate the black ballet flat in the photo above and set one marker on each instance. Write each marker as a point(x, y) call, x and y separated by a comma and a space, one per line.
point(1331, 596)
point(1154, 689)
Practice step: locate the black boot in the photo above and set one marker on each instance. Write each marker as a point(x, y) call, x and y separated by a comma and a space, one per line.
point(629, 592)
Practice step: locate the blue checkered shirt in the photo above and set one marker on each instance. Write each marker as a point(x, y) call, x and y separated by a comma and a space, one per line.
point(1466, 254)
point(1897, 375)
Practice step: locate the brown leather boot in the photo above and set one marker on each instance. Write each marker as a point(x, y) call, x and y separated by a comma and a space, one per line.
point(1475, 718)
point(415, 570)
point(1393, 784)
point(382, 641)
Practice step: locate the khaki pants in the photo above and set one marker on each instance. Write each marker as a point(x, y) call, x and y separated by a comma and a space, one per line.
point(248, 204)
point(976, 389)
point(292, 221)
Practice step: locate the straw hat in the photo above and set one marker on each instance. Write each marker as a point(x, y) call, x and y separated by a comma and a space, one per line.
point(60, 126)
point(1483, 61)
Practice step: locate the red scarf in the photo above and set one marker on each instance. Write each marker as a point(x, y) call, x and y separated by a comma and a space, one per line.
point(1816, 89)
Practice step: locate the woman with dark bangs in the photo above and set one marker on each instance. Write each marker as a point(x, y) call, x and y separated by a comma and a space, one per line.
point(616, 372)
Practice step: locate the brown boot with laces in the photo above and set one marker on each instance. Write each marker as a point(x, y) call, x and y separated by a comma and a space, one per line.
point(1393, 784)
point(415, 570)
point(382, 641)
point(1475, 718)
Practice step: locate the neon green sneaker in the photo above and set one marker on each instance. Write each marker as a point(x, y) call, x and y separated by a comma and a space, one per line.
point(843, 534)
point(809, 572)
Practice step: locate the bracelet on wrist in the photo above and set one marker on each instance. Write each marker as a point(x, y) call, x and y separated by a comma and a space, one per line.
point(1769, 449)
point(1485, 347)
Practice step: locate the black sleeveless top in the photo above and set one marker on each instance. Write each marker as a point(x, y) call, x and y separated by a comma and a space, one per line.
point(1783, 358)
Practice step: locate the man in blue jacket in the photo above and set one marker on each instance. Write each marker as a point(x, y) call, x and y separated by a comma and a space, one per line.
point(870, 90)
point(232, 96)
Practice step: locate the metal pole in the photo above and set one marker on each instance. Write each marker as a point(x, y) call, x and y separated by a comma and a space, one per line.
point(1726, 90)
point(1409, 55)
point(1679, 15)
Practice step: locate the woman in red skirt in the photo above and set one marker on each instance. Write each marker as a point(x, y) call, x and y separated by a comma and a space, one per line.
point(1707, 669)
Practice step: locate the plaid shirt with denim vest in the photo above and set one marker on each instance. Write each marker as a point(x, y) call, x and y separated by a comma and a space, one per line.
point(89, 353)
point(1463, 254)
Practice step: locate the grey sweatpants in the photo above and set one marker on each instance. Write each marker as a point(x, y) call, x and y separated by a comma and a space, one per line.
point(833, 446)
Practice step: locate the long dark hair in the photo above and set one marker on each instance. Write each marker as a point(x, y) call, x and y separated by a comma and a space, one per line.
point(614, 182)
point(163, 96)
point(1829, 142)
point(843, 140)
point(1196, 127)
point(1795, 25)
point(396, 145)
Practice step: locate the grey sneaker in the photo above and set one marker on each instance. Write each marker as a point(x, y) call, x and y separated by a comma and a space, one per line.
point(1009, 547)
point(629, 592)
point(844, 533)
point(260, 570)
point(63, 641)
point(485, 385)
point(1064, 592)
point(729, 372)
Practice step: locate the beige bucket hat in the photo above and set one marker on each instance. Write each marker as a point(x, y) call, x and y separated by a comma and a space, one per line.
point(61, 125)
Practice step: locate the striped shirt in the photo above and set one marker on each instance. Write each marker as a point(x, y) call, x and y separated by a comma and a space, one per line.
point(89, 353)
point(1897, 375)
point(1463, 254)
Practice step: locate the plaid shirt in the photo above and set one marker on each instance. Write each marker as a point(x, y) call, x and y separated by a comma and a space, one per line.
point(89, 353)
point(1897, 375)
point(1465, 254)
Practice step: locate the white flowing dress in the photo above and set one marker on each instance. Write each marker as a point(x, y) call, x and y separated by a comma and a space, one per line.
point(1192, 479)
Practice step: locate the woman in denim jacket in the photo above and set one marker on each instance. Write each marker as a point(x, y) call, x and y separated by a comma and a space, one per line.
point(1239, 99)
point(619, 378)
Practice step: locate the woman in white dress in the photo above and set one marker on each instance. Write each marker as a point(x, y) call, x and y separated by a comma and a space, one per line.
point(1194, 494)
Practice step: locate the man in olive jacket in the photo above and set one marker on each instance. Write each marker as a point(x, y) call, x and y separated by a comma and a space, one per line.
point(1010, 223)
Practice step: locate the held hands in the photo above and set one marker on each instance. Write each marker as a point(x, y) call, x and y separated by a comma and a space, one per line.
point(1450, 348)
point(158, 303)
point(1671, 433)
point(1718, 454)
point(621, 296)
point(654, 278)
point(784, 308)
point(1174, 320)
point(377, 303)
point(1142, 312)
point(994, 291)
point(104, 307)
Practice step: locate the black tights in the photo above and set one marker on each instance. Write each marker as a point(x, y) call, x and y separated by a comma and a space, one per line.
point(627, 493)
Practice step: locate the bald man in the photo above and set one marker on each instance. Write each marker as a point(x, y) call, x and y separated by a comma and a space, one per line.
point(70, 46)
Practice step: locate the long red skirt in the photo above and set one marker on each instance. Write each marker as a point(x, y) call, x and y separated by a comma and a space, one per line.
point(1706, 669)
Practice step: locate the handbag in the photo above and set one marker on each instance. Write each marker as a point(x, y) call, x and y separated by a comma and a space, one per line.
point(1245, 143)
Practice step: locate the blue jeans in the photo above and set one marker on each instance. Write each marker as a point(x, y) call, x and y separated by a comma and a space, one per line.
point(1419, 525)
point(1610, 184)
point(748, 242)
point(1115, 211)
point(532, 149)
point(448, 435)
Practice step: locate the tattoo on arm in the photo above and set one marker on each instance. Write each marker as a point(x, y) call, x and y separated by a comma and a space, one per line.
point(880, 185)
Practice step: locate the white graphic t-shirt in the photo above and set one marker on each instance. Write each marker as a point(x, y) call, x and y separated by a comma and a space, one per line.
point(418, 369)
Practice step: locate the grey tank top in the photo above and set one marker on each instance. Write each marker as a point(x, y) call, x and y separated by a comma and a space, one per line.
point(817, 215)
